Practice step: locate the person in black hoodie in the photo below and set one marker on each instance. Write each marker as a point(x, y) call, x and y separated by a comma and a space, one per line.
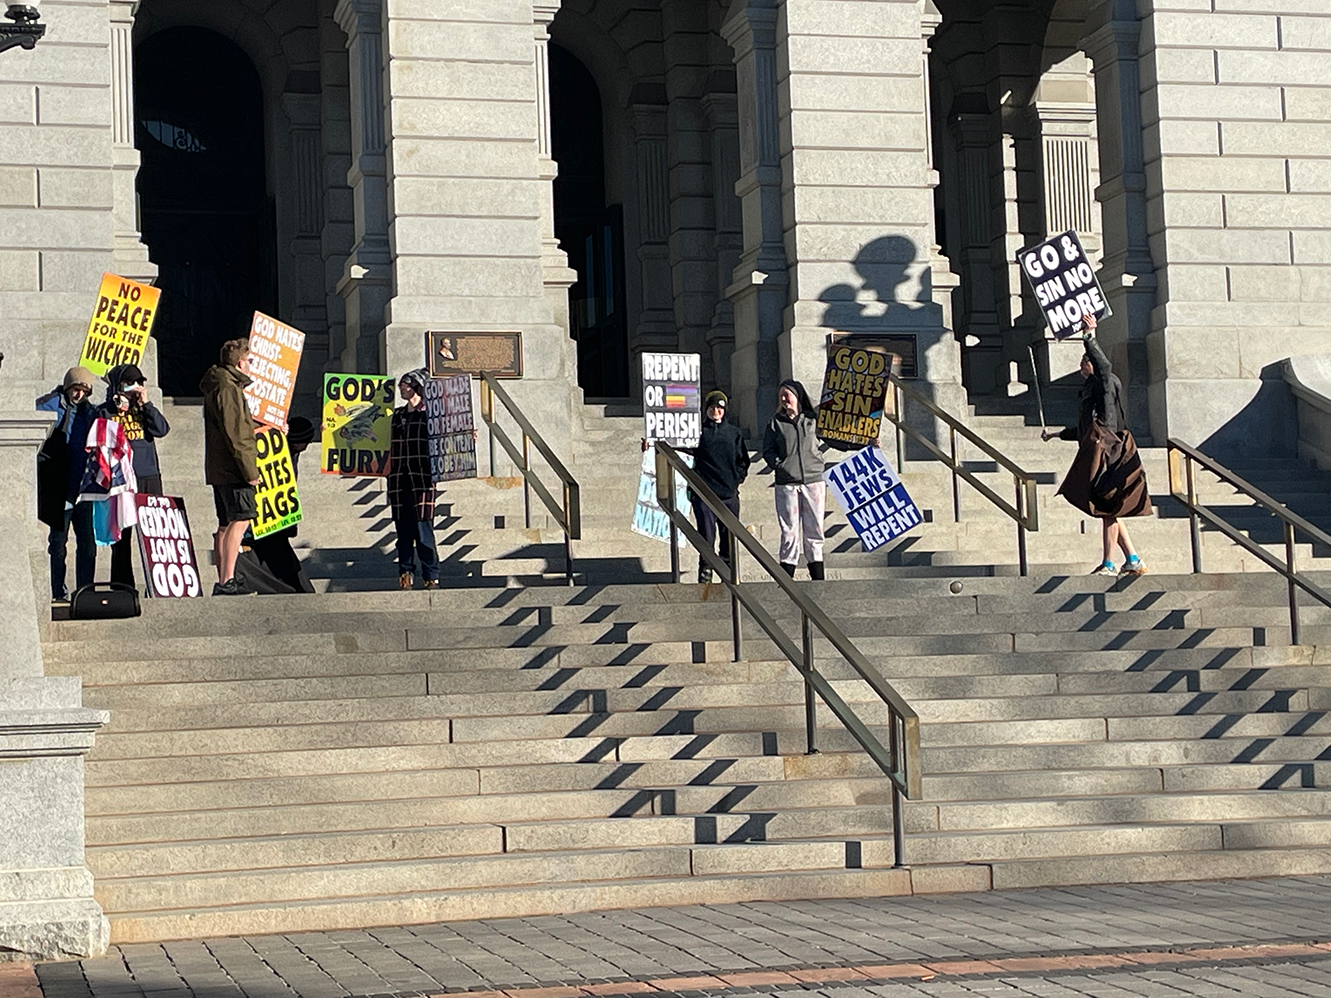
point(790, 448)
point(142, 422)
point(722, 462)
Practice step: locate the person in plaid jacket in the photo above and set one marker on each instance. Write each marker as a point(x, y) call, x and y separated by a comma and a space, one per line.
point(410, 484)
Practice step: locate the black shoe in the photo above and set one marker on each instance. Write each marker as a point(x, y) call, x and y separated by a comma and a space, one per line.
point(816, 571)
point(704, 574)
point(233, 587)
point(788, 569)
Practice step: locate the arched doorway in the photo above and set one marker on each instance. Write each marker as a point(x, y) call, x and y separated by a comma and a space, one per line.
point(589, 231)
point(205, 212)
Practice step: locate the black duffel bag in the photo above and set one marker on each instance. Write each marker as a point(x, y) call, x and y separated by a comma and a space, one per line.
point(104, 601)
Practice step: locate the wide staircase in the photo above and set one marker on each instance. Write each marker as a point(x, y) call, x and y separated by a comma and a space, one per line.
point(368, 758)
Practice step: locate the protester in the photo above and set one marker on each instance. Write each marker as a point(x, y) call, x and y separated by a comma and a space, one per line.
point(231, 463)
point(127, 404)
point(722, 462)
point(60, 466)
point(1106, 479)
point(410, 484)
point(790, 448)
point(109, 484)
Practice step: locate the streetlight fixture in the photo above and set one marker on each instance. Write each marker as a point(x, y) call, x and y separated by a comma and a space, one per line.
point(25, 30)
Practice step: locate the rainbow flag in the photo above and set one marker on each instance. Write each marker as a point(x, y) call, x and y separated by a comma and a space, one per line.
point(681, 396)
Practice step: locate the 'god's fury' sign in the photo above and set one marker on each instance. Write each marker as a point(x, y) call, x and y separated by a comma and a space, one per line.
point(121, 322)
point(357, 422)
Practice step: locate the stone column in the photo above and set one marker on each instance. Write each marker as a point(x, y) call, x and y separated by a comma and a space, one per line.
point(558, 275)
point(761, 282)
point(300, 221)
point(130, 255)
point(655, 329)
point(728, 241)
point(366, 283)
point(1128, 271)
point(47, 910)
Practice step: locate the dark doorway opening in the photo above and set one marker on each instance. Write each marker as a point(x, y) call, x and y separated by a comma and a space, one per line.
point(590, 231)
point(205, 212)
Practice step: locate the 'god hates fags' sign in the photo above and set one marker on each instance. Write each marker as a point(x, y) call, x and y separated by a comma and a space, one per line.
point(1064, 284)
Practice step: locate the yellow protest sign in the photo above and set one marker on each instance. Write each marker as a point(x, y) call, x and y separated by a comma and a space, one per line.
point(275, 350)
point(275, 497)
point(357, 420)
point(121, 322)
point(854, 391)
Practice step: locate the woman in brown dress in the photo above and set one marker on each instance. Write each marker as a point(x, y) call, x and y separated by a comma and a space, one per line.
point(1106, 479)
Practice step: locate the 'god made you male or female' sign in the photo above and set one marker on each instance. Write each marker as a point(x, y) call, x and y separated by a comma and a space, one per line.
point(671, 407)
point(1064, 284)
point(873, 498)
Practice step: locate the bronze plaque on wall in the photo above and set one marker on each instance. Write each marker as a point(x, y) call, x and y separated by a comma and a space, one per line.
point(498, 354)
point(904, 345)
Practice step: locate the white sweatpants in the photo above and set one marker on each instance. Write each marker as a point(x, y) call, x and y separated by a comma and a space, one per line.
point(799, 510)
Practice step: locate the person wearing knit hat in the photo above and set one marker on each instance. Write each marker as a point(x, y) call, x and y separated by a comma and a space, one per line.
point(722, 461)
point(60, 466)
point(411, 484)
point(791, 450)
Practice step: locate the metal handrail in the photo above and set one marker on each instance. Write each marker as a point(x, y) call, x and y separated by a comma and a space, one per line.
point(1025, 511)
point(1183, 487)
point(900, 761)
point(567, 514)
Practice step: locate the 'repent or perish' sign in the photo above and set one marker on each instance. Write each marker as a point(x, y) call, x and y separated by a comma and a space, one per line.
point(671, 406)
point(1064, 284)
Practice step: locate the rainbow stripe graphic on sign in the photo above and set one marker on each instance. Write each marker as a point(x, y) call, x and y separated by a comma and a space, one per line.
point(681, 396)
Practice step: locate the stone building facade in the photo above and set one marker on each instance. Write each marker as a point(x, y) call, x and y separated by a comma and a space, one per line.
point(733, 177)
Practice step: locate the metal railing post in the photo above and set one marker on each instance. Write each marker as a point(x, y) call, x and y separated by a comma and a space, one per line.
point(810, 706)
point(1293, 591)
point(898, 403)
point(898, 816)
point(956, 480)
point(1194, 524)
point(1024, 510)
point(526, 484)
point(736, 622)
point(568, 535)
point(487, 414)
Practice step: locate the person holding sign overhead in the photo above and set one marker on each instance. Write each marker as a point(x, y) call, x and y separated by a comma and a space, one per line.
point(411, 485)
point(790, 448)
point(1106, 479)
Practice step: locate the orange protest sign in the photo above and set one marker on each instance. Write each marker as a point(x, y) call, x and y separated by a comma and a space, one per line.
point(275, 350)
point(121, 322)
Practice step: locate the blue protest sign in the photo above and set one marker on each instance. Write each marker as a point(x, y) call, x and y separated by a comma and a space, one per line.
point(872, 497)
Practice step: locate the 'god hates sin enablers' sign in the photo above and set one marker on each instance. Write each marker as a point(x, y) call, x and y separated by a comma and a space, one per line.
point(121, 322)
point(854, 391)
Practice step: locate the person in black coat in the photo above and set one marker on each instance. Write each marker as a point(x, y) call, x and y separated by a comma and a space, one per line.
point(1106, 479)
point(142, 422)
point(722, 462)
point(411, 490)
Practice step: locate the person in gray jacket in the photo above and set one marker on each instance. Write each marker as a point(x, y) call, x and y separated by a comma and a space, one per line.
point(790, 448)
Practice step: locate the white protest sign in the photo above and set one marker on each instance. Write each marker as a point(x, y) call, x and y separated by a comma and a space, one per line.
point(1064, 284)
point(873, 498)
point(671, 401)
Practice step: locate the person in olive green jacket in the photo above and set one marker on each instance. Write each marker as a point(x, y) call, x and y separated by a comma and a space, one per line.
point(230, 459)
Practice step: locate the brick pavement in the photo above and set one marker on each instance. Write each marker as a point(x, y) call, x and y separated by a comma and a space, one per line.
point(1255, 938)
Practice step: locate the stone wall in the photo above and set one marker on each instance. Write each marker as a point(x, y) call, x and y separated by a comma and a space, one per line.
point(1237, 102)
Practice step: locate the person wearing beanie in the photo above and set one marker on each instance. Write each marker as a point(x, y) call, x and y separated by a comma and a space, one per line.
point(790, 448)
point(722, 462)
point(142, 422)
point(60, 466)
point(411, 484)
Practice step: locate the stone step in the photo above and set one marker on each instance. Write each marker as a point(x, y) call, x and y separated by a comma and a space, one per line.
point(1161, 867)
point(454, 903)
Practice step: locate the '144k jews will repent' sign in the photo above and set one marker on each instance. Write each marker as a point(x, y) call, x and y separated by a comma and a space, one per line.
point(1064, 284)
point(357, 420)
point(873, 497)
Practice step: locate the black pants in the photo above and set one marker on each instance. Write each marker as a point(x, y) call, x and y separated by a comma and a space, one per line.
point(415, 539)
point(85, 551)
point(708, 526)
